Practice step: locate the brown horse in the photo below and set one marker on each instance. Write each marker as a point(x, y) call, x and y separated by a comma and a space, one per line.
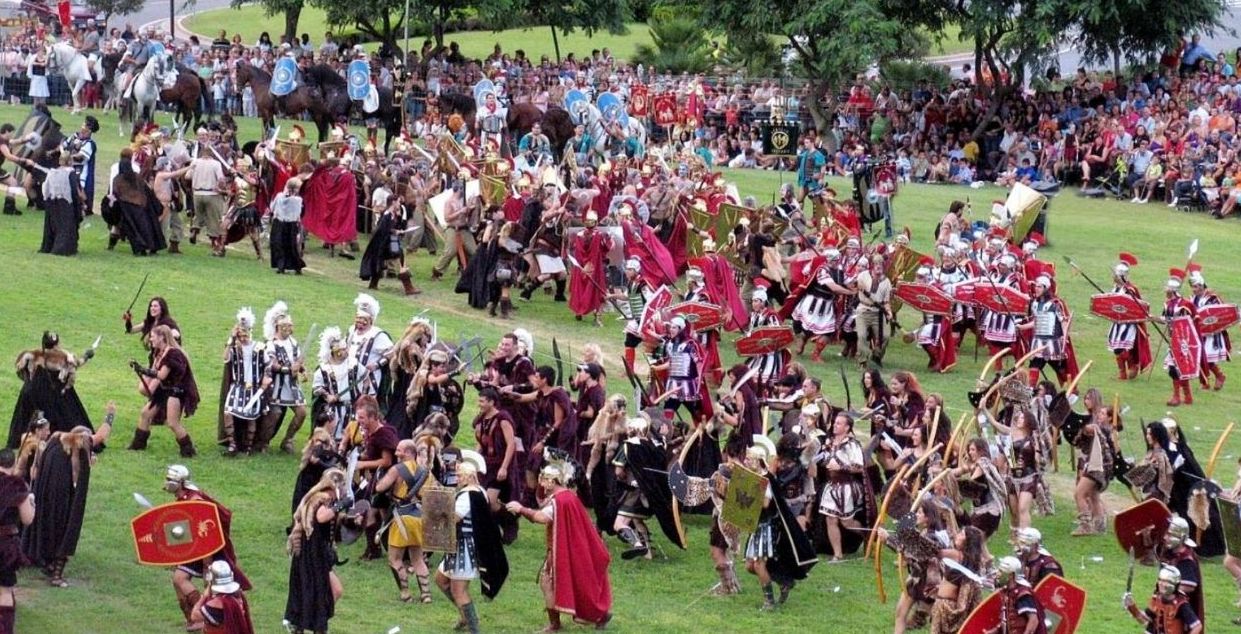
point(189, 96)
point(555, 122)
point(324, 110)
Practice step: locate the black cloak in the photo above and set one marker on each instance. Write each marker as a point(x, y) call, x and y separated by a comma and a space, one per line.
point(648, 464)
point(59, 502)
point(794, 554)
point(488, 547)
point(1184, 480)
point(46, 392)
point(377, 250)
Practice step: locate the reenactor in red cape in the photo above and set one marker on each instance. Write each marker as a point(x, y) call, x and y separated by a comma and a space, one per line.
point(588, 281)
point(1049, 320)
point(1176, 306)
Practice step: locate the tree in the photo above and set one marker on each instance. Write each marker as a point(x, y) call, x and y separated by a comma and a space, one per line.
point(680, 46)
point(833, 40)
point(290, 9)
point(110, 8)
point(753, 54)
point(1135, 30)
point(373, 18)
point(566, 16)
point(438, 13)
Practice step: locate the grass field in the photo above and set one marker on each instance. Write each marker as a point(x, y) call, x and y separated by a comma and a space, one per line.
point(85, 295)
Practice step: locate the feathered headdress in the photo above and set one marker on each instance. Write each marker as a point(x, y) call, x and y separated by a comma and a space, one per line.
point(277, 310)
point(245, 318)
point(367, 306)
point(327, 341)
point(526, 339)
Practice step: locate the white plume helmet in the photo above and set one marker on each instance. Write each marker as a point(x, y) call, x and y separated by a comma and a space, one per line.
point(245, 318)
point(367, 306)
point(526, 339)
point(277, 310)
point(329, 337)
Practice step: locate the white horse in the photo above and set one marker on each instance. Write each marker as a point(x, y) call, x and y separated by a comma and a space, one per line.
point(147, 85)
point(74, 66)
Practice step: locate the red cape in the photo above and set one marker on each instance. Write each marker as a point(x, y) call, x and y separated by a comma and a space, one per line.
point(579, 561)
point(226, 521)
point(331, 205)
point(722, 286)
point(236, 614)
point(658, 267)
point(591, 249)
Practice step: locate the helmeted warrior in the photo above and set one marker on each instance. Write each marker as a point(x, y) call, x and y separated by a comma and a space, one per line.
point(247, 380)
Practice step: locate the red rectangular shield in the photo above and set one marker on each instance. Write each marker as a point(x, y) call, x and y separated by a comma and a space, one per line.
point(1185, 347)
point(1063, 603)
point(985, 617)
point(924, 297)
point(665, 105)
point(1217, 318)
point(1121, 308)
point(700, 315)
point(765, 340)
point(1004, 300)
point(639, 101)
point(1142, 526)
point(964, 293)
point(178, 532)
point(651, 324)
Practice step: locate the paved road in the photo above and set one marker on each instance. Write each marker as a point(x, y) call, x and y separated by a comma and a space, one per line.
point(157, 11)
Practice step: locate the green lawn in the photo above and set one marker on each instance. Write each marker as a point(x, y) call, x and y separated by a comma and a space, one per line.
point(950, 43)
point(250, 22)
point(84, 296)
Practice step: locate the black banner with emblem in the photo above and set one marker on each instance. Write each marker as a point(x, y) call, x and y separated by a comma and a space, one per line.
point(780, 139)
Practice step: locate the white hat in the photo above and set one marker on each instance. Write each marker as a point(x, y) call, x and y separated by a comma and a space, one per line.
point(1029, 246)
point(1172, 284)
point(637, 423)
point(1008, 260)
point(472, 461)
point(222, 578)
point(759, 295)
point(633, 264)
point(1043, 281)
point(1120, 269)
point(367, 306)
point(678, 321)
point(832, 254)
point(924, 271)
point(708, 245)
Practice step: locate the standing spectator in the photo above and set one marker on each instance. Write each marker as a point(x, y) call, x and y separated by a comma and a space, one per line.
point(36, 72)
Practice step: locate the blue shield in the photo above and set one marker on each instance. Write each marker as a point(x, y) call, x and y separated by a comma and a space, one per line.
point(284, 79)
point(572, 98)
point(612, 109)
point(359, 79)
point(481, 89)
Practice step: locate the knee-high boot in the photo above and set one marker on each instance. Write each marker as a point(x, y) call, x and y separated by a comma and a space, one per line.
point(291, 432)
point(139, 443)
point(187, 446)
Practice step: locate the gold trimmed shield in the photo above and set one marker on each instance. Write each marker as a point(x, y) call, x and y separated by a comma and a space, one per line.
point(439, 519)
point(743, 502)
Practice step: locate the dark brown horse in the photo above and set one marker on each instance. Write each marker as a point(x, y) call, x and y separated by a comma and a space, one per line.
point(323, 110)
point(189, 96)
point(555, 122)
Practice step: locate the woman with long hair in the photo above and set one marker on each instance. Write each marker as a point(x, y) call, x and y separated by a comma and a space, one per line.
point(170, 387)
point(981, 483)
point(957, 595)
point(843, 495)
point(1097, 442)
point(1154, 471)
point(1025, 472)
point(314, 587)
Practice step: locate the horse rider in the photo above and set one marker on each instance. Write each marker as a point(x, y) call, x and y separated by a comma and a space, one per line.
point(137, 54)
point(87, 43)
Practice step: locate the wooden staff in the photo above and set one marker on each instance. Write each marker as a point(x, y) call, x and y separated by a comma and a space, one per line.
point(871, 540)
point(1219, 445)
point(935, 424)
point(954, 437)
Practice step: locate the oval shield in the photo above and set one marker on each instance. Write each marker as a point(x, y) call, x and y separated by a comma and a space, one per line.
point(359, 79)
point(612, 109)
point(371, 103)
point(571, 101)
point(481, 89)
point(284, 78)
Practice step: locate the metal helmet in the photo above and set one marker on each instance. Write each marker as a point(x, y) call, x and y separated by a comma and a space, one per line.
point(1169, 579)
point(1008, 569)
point(1029, 540)
point(177, 473)
point(1178, 532)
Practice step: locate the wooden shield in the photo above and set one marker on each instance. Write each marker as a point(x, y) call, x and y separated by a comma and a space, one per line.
point(44, 135)
point(1217, 318)
point(743, 501)
point(1141, 527)
point(1121, 308)
point(1185, 347)
point(439, 519)
point(665, 109)
point(1004, 300)
point(924, 297)
point(1230, 520)
point(765, 340)
point(178, 532)
point(1062, 602)
point(700, 315)
point(985, 617)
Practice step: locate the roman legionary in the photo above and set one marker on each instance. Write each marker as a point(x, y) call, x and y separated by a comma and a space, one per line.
point(491, 121)
point(574, 576)
point(335, 382)
point(480, 551)
point(1049, 319)
point(637, 293)
point(936, 335)
point(642, 490)
point(1178, 552)
point(223, 609)
point(999, 330)
point(1169, 611)
point(1216, 347)
point(1128, 341)
point(1174, 306)
point(177, 482)
point(1036, 561)
point(285, 368)
point(770, 365)
point(1020, 609)
point(682, 360)
point(590, 249)
point(245, 381)
point(778, 550)
point(812, 303)
point(697, 290)
point(368, 346)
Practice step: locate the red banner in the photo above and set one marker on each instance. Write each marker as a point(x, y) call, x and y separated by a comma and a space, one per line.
point(639, 101)
point(63, 11)
point(665, 109)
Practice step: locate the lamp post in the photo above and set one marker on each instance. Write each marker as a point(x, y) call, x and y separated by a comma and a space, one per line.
point(172, 18)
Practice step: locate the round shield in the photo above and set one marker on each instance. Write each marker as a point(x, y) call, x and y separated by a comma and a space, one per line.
point(481, 89)
point(571, 99)
point(359, 79)
point(612, 109)
point(282, 80)
point(155, 49)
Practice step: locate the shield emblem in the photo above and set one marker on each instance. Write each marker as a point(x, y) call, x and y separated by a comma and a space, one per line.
point(651, 324)
point(371, 102)
point(1121, 308)
point(639, 101)
point(743, 502)
point(1230, 519)
point(359, 79)
point(571, 101)
point(700, 315)
point(1004, 300)
point(439, 519)
point(780, 139)
point(1217, 318)
point(1063, 604)
point(284, 78)
point(1141, 527)
point(924, 297)
point(963, 293)
point(481, 89)
point(612, 109)
point(178, 532)
point(885, 180)
point(985, 617)
point(1185, 346)
point(665, 109)
point(765, 340)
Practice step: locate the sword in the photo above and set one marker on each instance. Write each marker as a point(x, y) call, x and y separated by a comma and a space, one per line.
point(845, 381)
point(90, 352)
point(745, 378)
point(1132, 564)
point(142, 501)
point(973, 576)
point(351, 470)
point(140, 287)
